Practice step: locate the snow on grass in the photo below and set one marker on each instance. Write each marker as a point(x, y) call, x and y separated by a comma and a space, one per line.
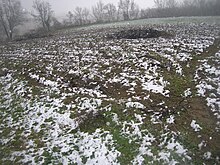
point(173, 145)
point(84, 99)
point(209, 87)
point(156, 86)
point(144, 149)
point(195, 127)
point(207, 155)
point(95, 148)
point(102, 150)
point(184, 57)
point(187, 92)
point(135, 105)
point(171, 119)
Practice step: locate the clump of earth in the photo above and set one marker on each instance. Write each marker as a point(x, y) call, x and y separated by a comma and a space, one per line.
point(139, 33)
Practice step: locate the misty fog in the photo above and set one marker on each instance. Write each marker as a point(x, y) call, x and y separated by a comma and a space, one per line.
point(62, 7)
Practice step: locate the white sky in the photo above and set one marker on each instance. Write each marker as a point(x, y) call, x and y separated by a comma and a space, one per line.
point(63, 6)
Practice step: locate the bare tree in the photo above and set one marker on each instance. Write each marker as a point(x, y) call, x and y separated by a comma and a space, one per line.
point(170, 8)
point(78, 15)
point(200, 7)
point(188, 8)
point(56, 23)
point(171, 4)
point(134, 10)
point(123, 8)
point(110, 12)
point(187, 3)
point(127, 8)
point(216, 7)
point(81, 15)
point(11, 15)
point(86, 14)
point(69, 18)
point(148, 13)
point(159, 4)
point(44, 13)
point(98, 11)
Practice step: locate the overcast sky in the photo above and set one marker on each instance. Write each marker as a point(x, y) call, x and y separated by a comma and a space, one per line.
point(63, 6)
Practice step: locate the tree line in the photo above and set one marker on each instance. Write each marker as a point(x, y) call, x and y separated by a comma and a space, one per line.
point(174, 8)
point(12, 13)
point(101, 13)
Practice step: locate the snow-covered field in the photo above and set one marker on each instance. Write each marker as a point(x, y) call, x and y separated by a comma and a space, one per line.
point(78, 97)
